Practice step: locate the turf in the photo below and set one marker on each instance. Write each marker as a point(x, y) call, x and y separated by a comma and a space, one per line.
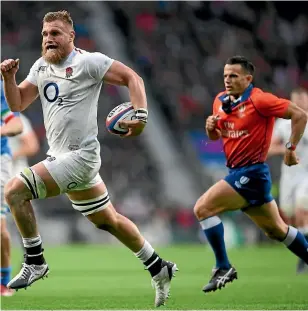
point(110, 277)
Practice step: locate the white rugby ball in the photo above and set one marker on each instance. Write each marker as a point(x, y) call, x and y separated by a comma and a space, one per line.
point(124, 111)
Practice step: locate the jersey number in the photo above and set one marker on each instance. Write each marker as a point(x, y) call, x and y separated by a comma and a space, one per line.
point(56, 92)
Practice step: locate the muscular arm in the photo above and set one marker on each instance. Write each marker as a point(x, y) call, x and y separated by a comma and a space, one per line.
point(120, 74)
point(298, 122)
point(12, 128)
point(21, 96)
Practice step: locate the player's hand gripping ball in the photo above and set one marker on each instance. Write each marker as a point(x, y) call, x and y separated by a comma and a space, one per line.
point(124, 121)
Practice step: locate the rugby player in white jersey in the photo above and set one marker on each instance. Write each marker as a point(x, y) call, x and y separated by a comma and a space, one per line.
point(293, 188)
point(68, 81)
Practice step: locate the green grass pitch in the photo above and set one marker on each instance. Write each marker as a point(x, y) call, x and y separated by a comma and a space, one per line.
point(110, 277)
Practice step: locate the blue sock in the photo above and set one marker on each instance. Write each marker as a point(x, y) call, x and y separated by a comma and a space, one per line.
point(214, 232)
point(304, 231)
point(5, 275)
point(297, 244)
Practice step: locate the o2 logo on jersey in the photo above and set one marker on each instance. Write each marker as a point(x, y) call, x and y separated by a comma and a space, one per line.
point(51, 92)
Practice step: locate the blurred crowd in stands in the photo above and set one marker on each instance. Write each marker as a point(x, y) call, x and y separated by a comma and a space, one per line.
point(182, 47)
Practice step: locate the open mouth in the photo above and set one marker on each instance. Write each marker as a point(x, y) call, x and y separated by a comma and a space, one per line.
point(51, 47)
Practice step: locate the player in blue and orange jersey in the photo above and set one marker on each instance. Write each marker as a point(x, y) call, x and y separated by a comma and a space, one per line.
point(244, 116)
point(10, 126)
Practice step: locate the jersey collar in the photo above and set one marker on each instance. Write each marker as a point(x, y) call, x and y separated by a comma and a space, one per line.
point(68, 59)
point(225, 99)
point(71, 55)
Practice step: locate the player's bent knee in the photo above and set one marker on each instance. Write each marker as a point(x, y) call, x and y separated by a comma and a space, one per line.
point(202, 210)
point(91, 206)
point(109, 222)
point(15, 191)
point(106, 220)
point(198, 211)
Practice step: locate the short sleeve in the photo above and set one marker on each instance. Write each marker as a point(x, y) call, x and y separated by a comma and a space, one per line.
point(215, 110)
point(33, 73)
point(216, 104)
point(270, 105)
point(98, 64)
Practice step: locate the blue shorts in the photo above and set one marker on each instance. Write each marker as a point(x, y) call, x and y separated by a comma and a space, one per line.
point(252, 182)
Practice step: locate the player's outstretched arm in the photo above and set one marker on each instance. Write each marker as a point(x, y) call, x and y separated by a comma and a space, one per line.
point(120, 74)
point(17, 97)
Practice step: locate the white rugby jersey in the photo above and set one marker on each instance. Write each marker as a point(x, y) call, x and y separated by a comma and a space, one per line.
point(69, 95)
point(282, 130)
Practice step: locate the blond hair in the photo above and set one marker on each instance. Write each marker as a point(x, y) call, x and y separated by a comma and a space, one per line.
point(63, 16)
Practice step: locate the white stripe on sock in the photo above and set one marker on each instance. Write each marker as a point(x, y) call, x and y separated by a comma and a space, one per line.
point(35, 255)
point(210, 222)
point(146, 252)
point(152, 263)
point(32, 242)
point(292, 233)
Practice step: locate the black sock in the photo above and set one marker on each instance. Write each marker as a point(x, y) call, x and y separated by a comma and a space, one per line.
point(34, 255)
point(34, 251)
point(153, 264)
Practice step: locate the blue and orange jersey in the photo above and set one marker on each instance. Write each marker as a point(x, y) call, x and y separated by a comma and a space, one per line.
point(6, 116)
point(247, 129)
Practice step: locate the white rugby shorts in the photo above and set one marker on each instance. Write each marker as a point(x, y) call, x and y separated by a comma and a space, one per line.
point(72, 172)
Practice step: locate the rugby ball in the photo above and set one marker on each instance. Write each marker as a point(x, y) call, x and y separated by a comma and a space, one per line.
point(124, 111)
